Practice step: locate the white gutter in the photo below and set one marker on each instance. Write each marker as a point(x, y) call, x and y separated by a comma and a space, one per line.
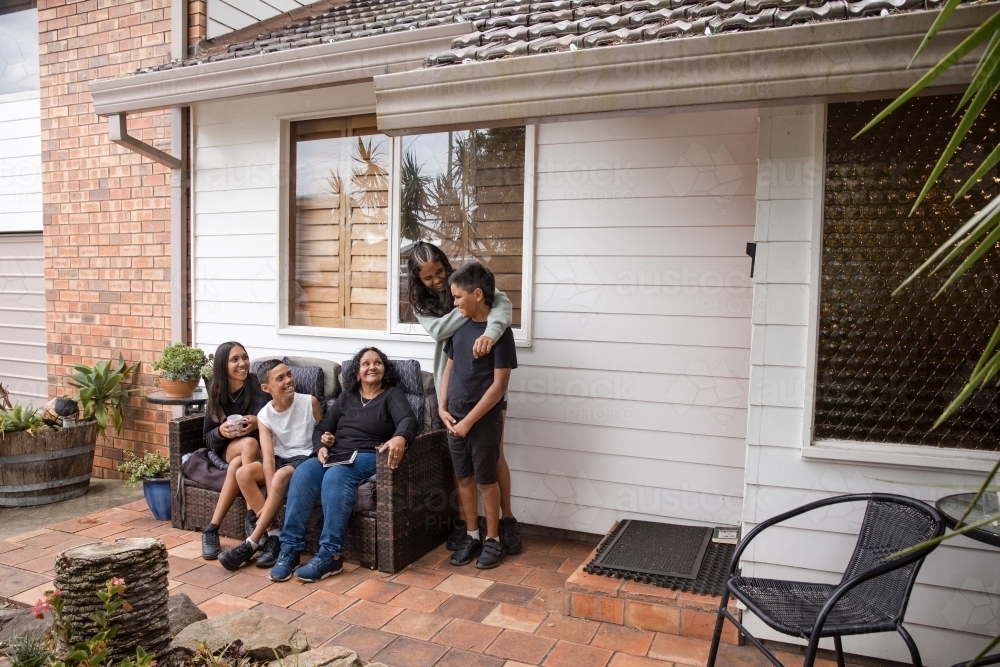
point(818, 61)
point(307, 67)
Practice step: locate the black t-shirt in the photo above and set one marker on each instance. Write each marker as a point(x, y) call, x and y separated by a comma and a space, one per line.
point(366, 426)
point(470, 377)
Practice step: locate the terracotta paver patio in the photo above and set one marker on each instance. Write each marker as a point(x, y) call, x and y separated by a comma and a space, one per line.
point(430, 614)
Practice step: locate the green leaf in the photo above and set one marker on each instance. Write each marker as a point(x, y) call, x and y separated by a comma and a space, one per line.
point(987, 62)
point(963, 49)
point(982, 654)
point(981, 171)
point(978, 224)
point(985, 246)
point(970, 387)
point(979, 494)
point(939, 21)
point(968, 119)
point(968, 528)
point(987, 218)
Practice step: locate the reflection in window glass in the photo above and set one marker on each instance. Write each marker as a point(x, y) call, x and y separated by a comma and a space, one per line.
point(464, 191)
point(19, 51)
point(340, 231)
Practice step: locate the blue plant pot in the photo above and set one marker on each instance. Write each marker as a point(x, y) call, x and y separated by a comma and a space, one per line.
point(157, 492)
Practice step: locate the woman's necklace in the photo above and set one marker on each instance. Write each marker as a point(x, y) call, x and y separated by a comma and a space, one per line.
point(234, 397)
point(365, 403)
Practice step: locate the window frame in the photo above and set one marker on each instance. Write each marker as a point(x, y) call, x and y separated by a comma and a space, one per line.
point(394, 330)
point(899, 455)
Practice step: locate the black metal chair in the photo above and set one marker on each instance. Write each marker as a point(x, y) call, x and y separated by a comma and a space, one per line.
point(871, 596)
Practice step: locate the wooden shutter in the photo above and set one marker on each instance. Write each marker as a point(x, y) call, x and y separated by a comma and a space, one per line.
point(340, 238)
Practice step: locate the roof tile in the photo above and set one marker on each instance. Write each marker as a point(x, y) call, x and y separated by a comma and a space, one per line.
point(510, 28)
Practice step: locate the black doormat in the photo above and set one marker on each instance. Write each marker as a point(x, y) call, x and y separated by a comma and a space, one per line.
point(664, 555)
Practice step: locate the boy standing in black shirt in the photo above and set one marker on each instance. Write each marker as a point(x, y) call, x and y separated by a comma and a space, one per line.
point(472, 400)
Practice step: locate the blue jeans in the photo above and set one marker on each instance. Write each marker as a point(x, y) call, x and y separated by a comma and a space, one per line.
point(337, 487)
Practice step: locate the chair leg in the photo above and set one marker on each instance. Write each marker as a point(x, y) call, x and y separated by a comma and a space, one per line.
point(839, 648)
point(717, 635)
point(911, 645)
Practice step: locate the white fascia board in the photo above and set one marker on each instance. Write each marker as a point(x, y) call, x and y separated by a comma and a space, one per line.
point(307, 67)
point(815, 62)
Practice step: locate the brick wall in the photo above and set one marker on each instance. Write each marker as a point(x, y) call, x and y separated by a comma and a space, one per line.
point(106, 210)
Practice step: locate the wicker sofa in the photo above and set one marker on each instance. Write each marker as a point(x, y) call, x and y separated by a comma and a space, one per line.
point(415, 502)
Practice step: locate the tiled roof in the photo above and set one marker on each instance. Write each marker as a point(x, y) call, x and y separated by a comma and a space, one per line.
point(505, 28)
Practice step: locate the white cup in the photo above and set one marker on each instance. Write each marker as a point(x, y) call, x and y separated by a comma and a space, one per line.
point(235, 421)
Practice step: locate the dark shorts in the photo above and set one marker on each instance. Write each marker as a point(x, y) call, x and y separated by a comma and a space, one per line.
point(477, 453)
point(295, 461)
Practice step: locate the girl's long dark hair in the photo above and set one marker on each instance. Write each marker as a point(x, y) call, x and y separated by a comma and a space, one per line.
point(423, 300)
point(351, 381)
point(218, 386)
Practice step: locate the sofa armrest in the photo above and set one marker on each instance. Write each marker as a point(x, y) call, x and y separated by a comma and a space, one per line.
point(185, 436)
point(415, 502)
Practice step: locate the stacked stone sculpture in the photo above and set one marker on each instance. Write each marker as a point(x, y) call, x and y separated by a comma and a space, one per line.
point(142, 562)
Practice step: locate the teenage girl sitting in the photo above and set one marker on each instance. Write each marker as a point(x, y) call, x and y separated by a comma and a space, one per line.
point(232, 390)
point(434, 307)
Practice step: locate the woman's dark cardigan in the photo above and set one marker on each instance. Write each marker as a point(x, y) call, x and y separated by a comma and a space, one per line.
point(217, 442)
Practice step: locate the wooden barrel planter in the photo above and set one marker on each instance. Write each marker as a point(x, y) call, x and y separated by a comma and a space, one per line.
point(46, 467)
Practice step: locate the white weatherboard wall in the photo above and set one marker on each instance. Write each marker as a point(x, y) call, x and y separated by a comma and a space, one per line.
point(20, 163)
point(631, 400)
point(953, 608)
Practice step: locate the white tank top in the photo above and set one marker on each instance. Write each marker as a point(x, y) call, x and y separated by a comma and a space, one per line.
point(291, 430)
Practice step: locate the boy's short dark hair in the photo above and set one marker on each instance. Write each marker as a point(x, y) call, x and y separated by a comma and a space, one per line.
point(474, 275)
point(265, 368)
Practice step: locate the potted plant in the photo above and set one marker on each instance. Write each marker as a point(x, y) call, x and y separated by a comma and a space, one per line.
point(42, 464)
point(180, 369)
point(153, 471)
point(103, 395)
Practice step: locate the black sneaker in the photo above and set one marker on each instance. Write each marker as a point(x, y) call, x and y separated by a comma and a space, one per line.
point(210, 546)
point(493, 553)
point(465, 553)
point(458, 536)
point(510, 535)
point(232, 559)
point(250, 522)
point(269, 548)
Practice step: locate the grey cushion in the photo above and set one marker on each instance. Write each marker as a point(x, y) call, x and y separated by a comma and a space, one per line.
point(308, 379)
point(331, 372)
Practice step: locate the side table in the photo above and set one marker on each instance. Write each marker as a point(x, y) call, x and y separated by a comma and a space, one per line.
point(192, 404)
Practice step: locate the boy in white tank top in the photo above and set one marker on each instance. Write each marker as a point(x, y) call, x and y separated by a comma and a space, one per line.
point(286, 426)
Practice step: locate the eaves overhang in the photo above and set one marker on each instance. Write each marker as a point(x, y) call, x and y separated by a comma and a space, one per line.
point(835, 59)
point(280, 71)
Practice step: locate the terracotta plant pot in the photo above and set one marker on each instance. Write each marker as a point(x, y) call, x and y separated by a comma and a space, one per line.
point(178, 389)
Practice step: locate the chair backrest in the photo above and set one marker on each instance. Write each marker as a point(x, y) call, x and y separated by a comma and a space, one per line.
point(418, 386)
point(892, 523)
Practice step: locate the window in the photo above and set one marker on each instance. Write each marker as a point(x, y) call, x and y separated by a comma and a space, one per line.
point(464, 191)
point(18, 48)
point(887, 366)
point(359, 200)
point(339, 222)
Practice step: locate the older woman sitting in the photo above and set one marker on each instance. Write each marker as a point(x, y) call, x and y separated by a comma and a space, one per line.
point(369, 416)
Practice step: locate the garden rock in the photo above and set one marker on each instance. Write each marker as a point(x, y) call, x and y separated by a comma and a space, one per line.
point(325, 656)
point(262, 636)
point(20, 623)
point(183, 612)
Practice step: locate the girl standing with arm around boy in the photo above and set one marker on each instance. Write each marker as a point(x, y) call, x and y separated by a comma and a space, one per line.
point(434, 306)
